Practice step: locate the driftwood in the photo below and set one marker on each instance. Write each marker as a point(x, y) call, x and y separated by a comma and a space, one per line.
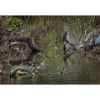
point(69, 48)
point(28, 70)
point(15, 37)
point(23, 70)
point(26, 40)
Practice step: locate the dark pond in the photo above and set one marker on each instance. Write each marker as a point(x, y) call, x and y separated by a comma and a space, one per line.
point(79, 69)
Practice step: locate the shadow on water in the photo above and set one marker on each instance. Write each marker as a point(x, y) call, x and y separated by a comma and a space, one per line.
point(80, 69)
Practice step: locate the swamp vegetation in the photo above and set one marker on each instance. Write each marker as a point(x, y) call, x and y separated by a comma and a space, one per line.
point(49, 50)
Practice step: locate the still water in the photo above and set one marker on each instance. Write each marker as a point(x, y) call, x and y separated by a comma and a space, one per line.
point(80, 69)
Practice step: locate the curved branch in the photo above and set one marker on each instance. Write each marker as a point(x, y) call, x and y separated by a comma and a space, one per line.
point(28, 41)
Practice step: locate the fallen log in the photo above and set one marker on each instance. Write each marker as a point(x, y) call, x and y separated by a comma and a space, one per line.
point(28, 70)
point(21, 71)
point(26, 40)
point(15, 37)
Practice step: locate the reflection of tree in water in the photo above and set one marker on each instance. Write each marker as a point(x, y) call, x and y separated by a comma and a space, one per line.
point(30, 57)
